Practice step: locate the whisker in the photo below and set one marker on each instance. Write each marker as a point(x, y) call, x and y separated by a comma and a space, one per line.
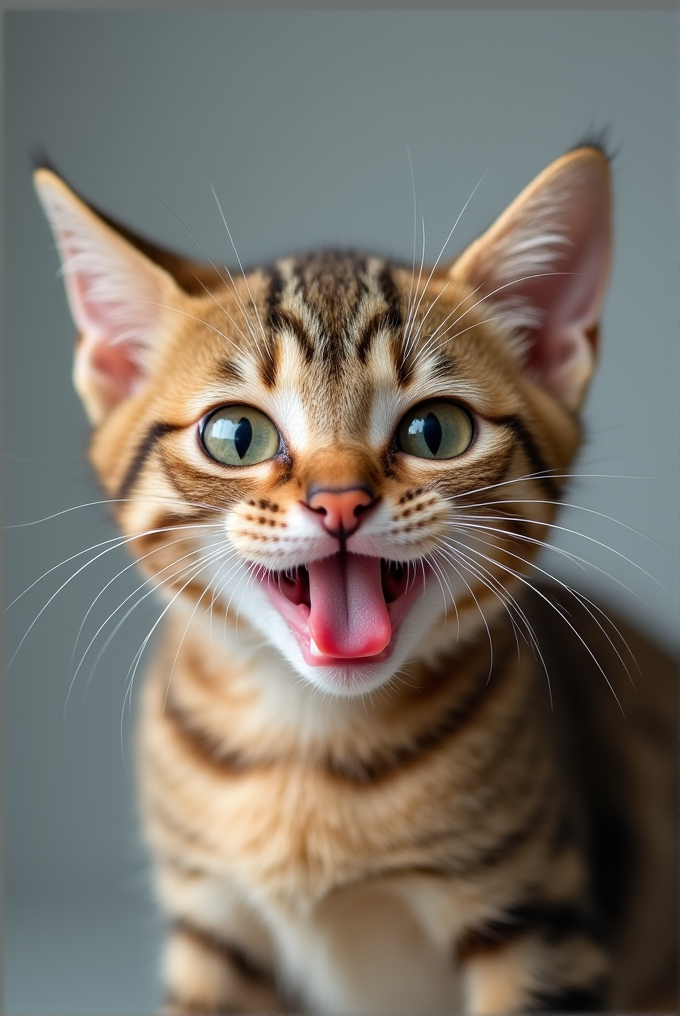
point(201, 321)
point(245, 277)
point(580, 597)
point(153, 499)
point(506, 285)
point(120, 624)
point(542, 595)
point(435, 334)
point(566, 504)
point(132, 671)
point(156, 585)
point(217, 270)
point(413, 339)
point(583, 563)
point(493, 584)
point(415, 234)
point(122, 571)
point(219, 585)
point(188, 625)
point(441, 579)
point(409, 317)
point(508, 601)
point(441, 252)
point(481, 612)
point(574, 532)
point(119, 542)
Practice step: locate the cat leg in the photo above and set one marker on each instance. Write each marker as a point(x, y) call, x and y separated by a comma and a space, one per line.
point(212, 975)
point(544, 958)
point(218, 957)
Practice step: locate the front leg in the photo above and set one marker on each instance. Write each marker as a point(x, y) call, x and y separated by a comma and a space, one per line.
point(213, 975)
point(218, 957)
point(541, 956)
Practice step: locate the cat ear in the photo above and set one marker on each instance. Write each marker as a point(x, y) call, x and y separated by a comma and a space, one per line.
point(118, 299)
point(544, 264)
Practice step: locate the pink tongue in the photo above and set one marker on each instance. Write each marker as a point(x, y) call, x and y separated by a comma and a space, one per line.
point(348, 615)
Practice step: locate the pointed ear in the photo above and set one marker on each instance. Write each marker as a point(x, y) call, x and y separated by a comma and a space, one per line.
point(544, 264)
point(118, 299)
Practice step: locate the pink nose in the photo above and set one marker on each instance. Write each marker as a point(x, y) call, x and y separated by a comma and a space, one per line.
point(340, 509)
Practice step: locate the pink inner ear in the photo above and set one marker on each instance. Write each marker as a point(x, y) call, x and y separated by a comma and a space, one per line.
point(569, 303)
point(116, 312)
point(117, 296)
point(116, 364)
point(545, 263)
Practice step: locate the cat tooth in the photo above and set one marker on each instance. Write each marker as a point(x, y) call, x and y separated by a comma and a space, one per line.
point(314, 649)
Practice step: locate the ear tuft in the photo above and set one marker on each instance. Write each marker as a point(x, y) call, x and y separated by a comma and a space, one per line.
point(118, 299)
point(598, 138)
point(544, 265)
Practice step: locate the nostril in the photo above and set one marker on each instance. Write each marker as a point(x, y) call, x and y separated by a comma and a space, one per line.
point(340, 510)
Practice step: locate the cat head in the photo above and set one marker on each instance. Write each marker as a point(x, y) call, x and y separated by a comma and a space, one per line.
point(352, 459)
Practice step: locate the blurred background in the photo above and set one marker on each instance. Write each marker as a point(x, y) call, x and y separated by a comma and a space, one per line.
point(303, 122)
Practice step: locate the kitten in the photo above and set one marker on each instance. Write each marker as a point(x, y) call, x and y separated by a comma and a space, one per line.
point(380, 769)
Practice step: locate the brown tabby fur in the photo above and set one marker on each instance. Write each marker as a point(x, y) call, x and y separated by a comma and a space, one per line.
point(451, 840)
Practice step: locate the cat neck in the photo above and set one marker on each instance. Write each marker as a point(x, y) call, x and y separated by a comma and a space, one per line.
point(242, 705)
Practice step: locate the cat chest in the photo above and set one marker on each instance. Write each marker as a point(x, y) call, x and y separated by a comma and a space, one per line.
point(297, 832)
point(293, 833)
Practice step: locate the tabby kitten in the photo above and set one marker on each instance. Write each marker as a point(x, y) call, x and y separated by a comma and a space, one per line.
point(380, 770)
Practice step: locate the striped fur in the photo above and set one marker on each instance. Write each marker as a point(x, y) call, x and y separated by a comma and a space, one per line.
point(432, 827)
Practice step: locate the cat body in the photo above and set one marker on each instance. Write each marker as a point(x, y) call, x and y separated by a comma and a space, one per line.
point(381, 769)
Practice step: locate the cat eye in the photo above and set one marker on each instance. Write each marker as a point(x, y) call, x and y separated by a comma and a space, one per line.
point(240, 436)
point(435, 430)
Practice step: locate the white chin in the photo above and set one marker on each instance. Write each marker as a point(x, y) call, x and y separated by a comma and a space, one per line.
point(347, 680)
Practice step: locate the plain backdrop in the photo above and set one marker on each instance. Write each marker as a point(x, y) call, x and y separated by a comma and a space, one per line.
point(303, 122)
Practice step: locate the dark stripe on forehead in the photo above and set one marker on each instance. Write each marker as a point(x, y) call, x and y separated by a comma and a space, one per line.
point(403, 363)
point(391, 296)
point(387, 319)
point(274, 295)
point(280, 318)
point(269, 361)
point(289, 320)
point(153, 436)
point(376, 323)
point(227, 370)
point(538, 463)
point(333, 286)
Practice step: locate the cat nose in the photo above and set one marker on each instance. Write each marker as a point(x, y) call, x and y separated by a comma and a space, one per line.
point(340, 510)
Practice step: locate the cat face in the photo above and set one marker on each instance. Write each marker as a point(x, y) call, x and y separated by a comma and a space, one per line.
point(352, 459)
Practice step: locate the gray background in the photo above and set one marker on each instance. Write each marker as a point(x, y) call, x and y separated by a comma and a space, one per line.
point(301, 120)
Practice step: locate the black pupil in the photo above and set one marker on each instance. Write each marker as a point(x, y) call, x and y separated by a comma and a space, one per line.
point(432, 432)
point(244, 435)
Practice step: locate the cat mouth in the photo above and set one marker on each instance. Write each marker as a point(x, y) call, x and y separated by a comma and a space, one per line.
point(344, 609)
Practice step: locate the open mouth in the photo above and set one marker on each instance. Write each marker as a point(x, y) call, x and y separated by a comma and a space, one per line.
point(346, 608)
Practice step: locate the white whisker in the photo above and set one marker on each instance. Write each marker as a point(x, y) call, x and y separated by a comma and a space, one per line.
point(154, 587)
point(245, 277)
point(441, 252)
point(580, 597)
point(529, 585)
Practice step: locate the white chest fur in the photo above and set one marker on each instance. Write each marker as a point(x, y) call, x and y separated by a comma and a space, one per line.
point(364, 950)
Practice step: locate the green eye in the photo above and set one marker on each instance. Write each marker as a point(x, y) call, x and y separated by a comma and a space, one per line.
point(435, 430)
point(240, 436)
